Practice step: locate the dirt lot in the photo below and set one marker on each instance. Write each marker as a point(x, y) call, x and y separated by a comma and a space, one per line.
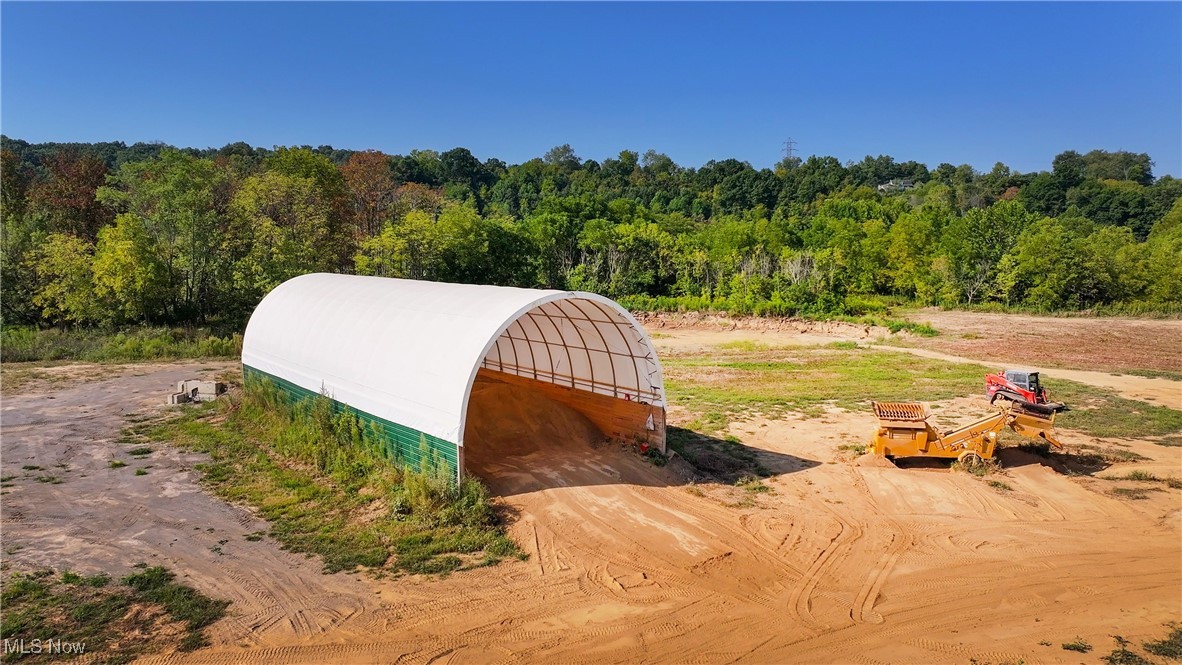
point(838, 561)
point(1097, 344)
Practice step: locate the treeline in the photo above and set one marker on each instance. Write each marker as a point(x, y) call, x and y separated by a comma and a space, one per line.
point(111, 234)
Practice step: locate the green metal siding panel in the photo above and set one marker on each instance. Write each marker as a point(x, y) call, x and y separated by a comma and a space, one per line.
point(403, 444)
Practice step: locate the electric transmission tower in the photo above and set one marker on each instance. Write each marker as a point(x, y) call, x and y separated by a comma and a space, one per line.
point(789, 148)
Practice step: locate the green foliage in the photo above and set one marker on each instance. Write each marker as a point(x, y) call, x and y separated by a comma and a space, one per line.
point(89, 609)
point(129, 272)
point(1100, 413)
point(288, 224)
point(1079, 644)
point(1121, 655)
point(114, 234)
point(183, 603)
point(325, 484)
point(66, 294)
point(1169, 646)
point(25, 344)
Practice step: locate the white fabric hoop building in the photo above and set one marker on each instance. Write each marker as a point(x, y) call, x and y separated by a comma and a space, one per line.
point(408, 351)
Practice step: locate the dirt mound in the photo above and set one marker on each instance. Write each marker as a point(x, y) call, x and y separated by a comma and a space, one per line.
point(509, 420)
point(518, 440)
point(874, 461)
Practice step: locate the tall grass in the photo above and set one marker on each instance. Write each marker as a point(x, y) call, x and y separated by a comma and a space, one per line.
point(321, 476)
point(29, 344)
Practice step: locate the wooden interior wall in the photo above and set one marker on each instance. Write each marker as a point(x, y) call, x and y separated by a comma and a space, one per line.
point(617, 418)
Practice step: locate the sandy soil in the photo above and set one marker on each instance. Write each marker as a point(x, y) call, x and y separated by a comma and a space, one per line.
point(839, 562)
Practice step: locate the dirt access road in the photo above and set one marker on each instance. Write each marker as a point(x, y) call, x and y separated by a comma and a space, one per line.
point(836, 563)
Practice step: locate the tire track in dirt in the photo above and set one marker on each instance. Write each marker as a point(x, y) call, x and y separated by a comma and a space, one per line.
point(838, 564)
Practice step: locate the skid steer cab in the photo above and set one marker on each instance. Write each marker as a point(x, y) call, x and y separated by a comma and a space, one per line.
point(1020, 386)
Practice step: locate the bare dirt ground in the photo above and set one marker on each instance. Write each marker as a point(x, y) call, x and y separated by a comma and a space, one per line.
point(1097, 344)
point(838, 562)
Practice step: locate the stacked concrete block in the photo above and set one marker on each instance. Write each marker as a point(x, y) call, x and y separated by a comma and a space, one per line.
point(194, 390)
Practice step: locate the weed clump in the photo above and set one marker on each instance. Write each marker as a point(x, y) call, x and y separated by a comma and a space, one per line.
point(1169, 646)
point(752, 484)
point(980, 469)
point(1133, 493)
point(1078, 644)
point(1121, 655)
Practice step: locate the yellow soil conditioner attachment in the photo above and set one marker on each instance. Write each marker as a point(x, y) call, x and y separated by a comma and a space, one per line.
point(904, 431)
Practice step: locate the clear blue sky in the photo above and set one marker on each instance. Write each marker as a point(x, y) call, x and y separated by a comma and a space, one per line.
point(957, 82)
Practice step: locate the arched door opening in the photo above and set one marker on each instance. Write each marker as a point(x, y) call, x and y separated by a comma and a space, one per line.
point(562, 377)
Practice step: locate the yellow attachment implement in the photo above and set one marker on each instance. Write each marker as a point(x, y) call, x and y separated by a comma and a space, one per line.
point(904, 431)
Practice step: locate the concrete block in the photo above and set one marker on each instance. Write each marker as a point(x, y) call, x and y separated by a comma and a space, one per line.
point(179, 398)
point(194, 390)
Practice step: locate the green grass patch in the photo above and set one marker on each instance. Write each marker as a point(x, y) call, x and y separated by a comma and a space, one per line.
point(743, 345)
point(1154, 374)
point(322, 480)
point(842, 345)
point(1141, 475)
point(999, 485)
point(31, 467)
point(116, 623)
point(752, 484)
point(1078, 644)
point(1173, 441)
point(141, 472)
point(1146, 477)
point(807, 379)
point(804, 380)
point(116, 464)
point(28, 344)
point(1100, 413)
point(1133, 493)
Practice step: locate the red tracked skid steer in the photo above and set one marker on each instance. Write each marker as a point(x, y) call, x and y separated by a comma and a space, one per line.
point(1022, 387)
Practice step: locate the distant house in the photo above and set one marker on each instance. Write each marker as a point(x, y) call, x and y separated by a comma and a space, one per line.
point(896, 185)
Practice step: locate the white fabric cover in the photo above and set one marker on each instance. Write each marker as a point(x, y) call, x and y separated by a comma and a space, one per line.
point(408, 350)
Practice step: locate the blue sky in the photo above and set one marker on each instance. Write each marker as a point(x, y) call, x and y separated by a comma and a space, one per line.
point(958, 82)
